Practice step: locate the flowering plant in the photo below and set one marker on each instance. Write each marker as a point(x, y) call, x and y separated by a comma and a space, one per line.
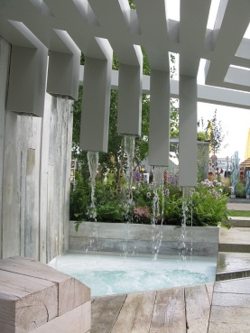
point(209, 203)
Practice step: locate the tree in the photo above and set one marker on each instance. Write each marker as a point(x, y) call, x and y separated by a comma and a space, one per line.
point(215, 134)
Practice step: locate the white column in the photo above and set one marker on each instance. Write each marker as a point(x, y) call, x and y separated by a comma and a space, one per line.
point(188, 131)
point(159, 118)
point(28, 69)
point(95, 104)
point(130, 98)
point(63, 74)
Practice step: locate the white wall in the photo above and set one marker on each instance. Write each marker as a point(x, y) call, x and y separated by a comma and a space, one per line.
point(34, 176)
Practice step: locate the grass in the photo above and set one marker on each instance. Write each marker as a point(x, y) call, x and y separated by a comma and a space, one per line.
point(239, 213)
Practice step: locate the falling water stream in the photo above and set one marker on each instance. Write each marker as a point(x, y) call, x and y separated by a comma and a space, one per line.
point(129, 148)
point(157, 210)
point(187, 212)
point(93, 158)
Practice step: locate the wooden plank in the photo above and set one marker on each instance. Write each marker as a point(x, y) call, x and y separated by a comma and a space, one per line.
point(105, 311)
point(136, 313)
point(74, 321)
point(72, 292)
point(31, 221)
point(67, 180)
point(44, 156)
point(197, 308)
point(4, 68)
point(169, 312)
point(210, 290)
point(11, 188)
point(26, 302)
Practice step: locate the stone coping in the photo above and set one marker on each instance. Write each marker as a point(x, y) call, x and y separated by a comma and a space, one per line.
point(109, 237)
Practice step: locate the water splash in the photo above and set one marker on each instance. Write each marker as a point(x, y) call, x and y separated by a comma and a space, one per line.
point(186, 194)
point(191, 192)
point(129, 148)
point(157, 210)
point(93, 159)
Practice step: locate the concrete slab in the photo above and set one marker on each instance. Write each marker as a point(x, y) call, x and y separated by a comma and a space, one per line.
point(232, 262)
point(235, 236)
point(240, 222)
point(230, 307)
point(232, 266)
point(216, 327)
point(238, 286)
point(231, 299)
point(238, 206)
point(234, 240)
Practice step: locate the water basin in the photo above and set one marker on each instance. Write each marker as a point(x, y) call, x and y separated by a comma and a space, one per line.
point(110, 273)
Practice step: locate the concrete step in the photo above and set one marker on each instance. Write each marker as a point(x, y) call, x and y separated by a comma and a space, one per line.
point(236, 239)
point(240, 222)
point(232, 266)
point(227, 247)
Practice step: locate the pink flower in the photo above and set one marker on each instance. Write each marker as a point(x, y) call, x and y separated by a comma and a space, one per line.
point(166, 192)
point(149, 194)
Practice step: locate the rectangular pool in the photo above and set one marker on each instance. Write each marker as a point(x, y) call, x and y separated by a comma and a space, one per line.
point(108, 273)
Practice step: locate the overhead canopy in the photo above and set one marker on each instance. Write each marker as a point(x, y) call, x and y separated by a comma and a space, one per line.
point(89, 23)
point(95, 25)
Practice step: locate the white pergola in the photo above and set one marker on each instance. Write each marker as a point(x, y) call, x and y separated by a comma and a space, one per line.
point(100, 27)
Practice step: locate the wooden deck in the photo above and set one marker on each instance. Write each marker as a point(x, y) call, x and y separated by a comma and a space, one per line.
point(175, 310)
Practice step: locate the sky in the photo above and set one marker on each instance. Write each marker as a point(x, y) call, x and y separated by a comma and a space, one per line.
point(235, 122)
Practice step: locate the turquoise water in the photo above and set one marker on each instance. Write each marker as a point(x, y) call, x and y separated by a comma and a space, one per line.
point(108, 274)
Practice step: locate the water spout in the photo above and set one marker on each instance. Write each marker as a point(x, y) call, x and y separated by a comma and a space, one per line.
point(157, 210)
point(93, 158)
point(187, 212)
point(129, 148)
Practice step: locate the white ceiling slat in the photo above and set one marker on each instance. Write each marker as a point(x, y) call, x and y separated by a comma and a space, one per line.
point(95, 26)
point(228, 37)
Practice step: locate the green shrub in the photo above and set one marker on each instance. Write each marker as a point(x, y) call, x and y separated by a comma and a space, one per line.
point(240, 191)
point(207, 204)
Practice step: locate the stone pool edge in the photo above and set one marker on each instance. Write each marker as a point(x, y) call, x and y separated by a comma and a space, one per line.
point(113, 237)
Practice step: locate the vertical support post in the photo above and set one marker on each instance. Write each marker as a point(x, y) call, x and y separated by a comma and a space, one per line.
point(28, 69)
point(130, 98)
point(95, 105)
point(159, 125)
point(188, 131)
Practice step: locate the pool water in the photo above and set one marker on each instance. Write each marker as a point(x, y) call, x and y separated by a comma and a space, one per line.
point(108, 274)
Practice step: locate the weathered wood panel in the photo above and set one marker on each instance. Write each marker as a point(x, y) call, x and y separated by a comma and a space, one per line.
point(74, 321)
point(136, 313)
point(44, 179)
point(197, 308)
point(71, 292)
point(169, 312)
point(105, 311)
point(26, 302)
point(34, 176)
point(11, 215)
point(175, 310)
point(33, 294)
point(4, 68)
